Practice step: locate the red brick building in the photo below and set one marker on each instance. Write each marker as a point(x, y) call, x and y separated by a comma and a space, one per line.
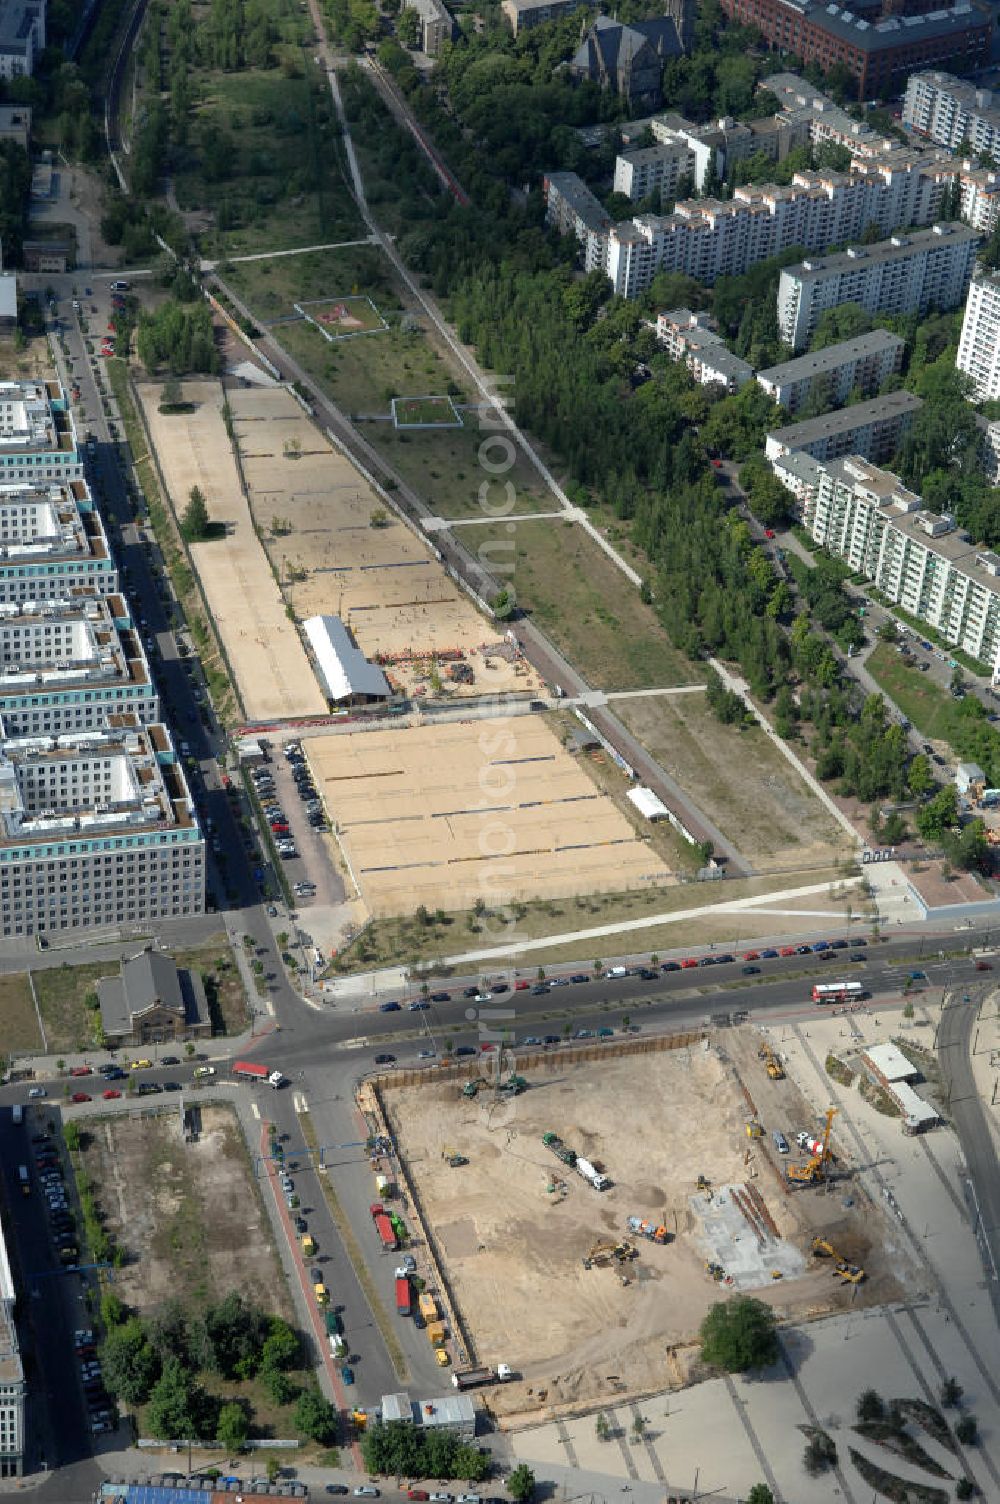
point(879, 50)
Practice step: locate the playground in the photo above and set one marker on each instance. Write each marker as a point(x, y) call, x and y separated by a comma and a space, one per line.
point(272, 673)
point(339, 318)
point(337, 549)
point(425, 412)
point(445, 814)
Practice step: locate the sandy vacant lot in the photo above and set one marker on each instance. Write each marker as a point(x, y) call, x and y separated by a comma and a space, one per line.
point(513, 1246)
point(273, 673)
point(755, 797)
point(315, 512)
point(445, 814)
point(182, 1211)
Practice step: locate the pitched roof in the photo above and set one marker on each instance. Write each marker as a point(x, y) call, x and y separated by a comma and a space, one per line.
point(145, 979)
point(614, 43)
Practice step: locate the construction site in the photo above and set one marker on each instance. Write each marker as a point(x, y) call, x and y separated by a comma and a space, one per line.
point(586, 1208)
point(337, 549)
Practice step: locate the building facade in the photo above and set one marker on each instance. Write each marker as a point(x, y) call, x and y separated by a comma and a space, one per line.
point(68, 666)
point(949, 111)
point(97, 829)
point(627, 60)
point(524, 15)
point(53, 545)
point(830, 375)
point(153, 1001)
point(22, 36)
point(906, 274)
point(572, 209)
point(12, 1385)
point(879, 52)
point(872, 430)
point(918, 560)
point(37, 435)
point(979, 343)
point(654, 169)
point(437, 25)
point(689, 337)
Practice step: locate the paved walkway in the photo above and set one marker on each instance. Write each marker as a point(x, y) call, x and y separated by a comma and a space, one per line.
point(298, 250)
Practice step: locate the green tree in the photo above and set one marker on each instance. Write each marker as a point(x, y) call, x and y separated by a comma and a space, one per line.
point(281, 1349)
point(314, 1417)
point(408, 28)
point(233, 1427)
point(521, 1484)
point(870, 1405)
point(939, 815)
point(951, 1393)
point(112, 1310)
point(739, 1334)
point(504, 604)
point(177, 1405)
point(965, 1489)
point(919, 776)
point(130, 1364)
point(967, 1431)
point(602, 1428)
point(195, 523)
point(760, 1494)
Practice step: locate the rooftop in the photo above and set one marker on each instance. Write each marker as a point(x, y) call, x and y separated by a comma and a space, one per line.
point(54, 520)
point(584, 204)
point(890, 31)
point(890, 1062)
point(844, 419)
point(896, 248)
point(8, 295)
point(451, 1410)
point(831, 357)
point(343, 666)
point(89, 648)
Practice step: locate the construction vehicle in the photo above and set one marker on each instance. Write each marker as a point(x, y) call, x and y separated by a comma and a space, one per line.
point(515, 1085)
point(436, 1333)
point(703, 1183)
point(559, 1149)
point(715, 1270)
point(427, 1306)
point(360, 1418)
point(456, 1161)
point(592, 1175)
point(647, 1229)
point(754, 1129)
point(603, 1253)
point(471, 1087)
point(772, 1064)
point(852, 1273)
point(815, 1169)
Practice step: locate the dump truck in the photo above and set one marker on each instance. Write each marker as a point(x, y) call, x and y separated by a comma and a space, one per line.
point(428, 1306)
point(559, 1149)
point(592, 1175)
point(403, 1295)
point(436, 1333)
point(470, 1378)
point(386, 1232)
point(647, 1229)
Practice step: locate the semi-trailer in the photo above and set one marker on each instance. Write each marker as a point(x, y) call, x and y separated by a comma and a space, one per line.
point(248, 1070)
point(559, 1149)
point(403, 1296)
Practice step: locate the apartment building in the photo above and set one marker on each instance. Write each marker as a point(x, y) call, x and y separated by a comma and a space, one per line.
point(989, 452)
point(906, 274)
point(15, 124)
point(572, 209)
point(97, 829)
point(832, 374)
point(437, 25)
point(22, 37)
point(690, 337)
point(52, 544)
point(979, 343)
point(799, 473)
point(920, 561)
point(950, 111)
point(524, 15)
point(879, 52)
point(37, 434)
point(68, 666)
point(821, 120)
point(12, 1385)
point(654, 169)
point(871, 429)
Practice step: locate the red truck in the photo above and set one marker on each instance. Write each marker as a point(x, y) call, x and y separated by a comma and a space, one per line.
point(249, 1070)
point(385, 1230)
point(402, 1295)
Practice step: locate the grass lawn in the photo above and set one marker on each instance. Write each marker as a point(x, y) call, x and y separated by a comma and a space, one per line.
point(932, 710)
point(61, 990)
point(271, 287)
point(444, 469)
point(425, 410)
point(739, 779)
point(583, 602)
point(408, 942)
point(362, 375)
point(283, 184)
point(21, 1034)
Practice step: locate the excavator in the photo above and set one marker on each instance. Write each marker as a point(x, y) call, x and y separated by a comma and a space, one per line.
point(815, 1168)
point(852, 1273)
point(603, 1253)
point(772, 1064)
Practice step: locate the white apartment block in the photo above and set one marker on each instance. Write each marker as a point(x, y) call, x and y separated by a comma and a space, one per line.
point(870, 429)
point(919, 560)
point(572, 209)
point(689, 337)
point(979, 344)
point(799, 473)
point(22, 36)
point(37, 434)
point(12, 1385)
point(950, 110)
point(68, 666)
point(653, 169)
point(989, 453)
point(833, 373)
point(97, 829)
point(822, 119)
point(53, 545)
point(905, 274)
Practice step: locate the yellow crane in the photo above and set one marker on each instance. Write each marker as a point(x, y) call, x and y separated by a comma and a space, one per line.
point(815, 1169)
point(852, 1273)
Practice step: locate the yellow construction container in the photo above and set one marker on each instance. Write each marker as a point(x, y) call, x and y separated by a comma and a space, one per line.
point(322, 1294)
point(428, 1306)
point(441, 1354)
point(308, 1245)
point(436, 1333)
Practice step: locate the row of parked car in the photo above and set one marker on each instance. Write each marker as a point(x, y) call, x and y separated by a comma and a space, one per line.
point(49, 1172)
point(100, 1406)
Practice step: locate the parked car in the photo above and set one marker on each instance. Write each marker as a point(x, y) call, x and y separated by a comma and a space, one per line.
point(79, 1096)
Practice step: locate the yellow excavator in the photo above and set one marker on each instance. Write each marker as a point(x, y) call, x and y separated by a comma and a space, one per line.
point(603, 1253)
point(772, 1064)
point(815, 1168)
point(852, 1273)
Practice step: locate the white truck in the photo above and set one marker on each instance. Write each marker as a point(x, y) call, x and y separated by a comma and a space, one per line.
point(591, 1175)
